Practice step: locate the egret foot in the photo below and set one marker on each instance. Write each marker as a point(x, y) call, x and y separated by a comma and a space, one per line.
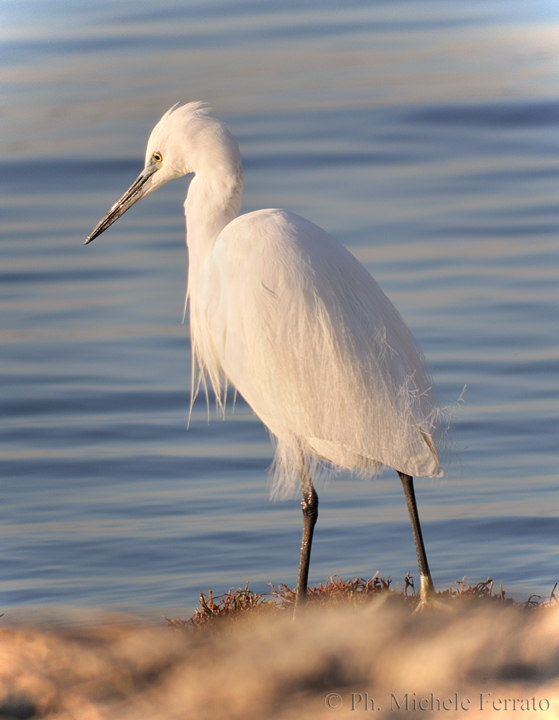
point(429, 599)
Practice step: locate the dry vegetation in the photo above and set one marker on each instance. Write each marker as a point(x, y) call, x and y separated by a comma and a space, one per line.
point(233, 604)
point(358, 647)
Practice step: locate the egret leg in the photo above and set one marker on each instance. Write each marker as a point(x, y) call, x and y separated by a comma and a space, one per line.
point(309, 503)
point(427, 586)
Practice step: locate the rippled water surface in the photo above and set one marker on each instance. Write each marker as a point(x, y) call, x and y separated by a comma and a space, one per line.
point(424, 136)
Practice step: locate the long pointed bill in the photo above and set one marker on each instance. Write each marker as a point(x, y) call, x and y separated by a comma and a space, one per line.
point(135, 192)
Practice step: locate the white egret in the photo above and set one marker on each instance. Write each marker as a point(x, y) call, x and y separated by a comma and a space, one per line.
point(287, 315)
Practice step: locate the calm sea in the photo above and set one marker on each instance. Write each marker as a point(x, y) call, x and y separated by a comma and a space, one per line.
point(424, 135)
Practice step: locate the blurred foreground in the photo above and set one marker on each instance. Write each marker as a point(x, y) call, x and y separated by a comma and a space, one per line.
point(480, 659)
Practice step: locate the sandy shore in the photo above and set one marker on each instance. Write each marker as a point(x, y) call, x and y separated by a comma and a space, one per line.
point(482, 660)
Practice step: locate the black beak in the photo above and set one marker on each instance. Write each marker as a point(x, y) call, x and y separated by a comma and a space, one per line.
point(135, 192)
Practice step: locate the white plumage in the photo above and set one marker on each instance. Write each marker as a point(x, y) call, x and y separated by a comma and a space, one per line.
point(314, 346)
point(286, 314)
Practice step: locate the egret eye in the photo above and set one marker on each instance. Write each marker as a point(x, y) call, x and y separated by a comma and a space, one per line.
point(157, 157)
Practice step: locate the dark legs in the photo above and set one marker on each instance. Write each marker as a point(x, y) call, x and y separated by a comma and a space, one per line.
point(309, 503)
point(427, 587)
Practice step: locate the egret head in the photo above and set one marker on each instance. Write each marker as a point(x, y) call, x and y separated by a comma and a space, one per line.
point(184, 140)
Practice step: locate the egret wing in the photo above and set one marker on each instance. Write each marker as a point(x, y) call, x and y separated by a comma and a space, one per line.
point(316, 348)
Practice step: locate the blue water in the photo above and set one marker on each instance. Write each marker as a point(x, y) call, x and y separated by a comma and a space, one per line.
point(424, 136)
